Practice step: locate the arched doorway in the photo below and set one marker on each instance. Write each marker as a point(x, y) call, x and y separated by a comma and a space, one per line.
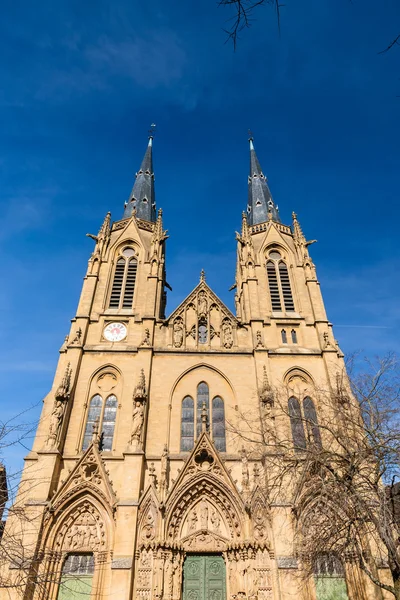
point(204, 577)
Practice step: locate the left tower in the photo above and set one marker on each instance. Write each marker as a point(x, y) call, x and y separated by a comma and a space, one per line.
point(105, 361)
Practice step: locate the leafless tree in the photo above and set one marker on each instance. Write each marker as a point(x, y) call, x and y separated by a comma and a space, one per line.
point(243, 16)
point(338, 466)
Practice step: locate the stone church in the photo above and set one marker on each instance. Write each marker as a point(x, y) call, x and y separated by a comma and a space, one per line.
point(136, 486)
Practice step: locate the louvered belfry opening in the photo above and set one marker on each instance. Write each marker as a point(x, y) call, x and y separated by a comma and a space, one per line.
point(273, 286)
point(123, 286)
point(279, 282)
point(130, 283)
point(286, 289)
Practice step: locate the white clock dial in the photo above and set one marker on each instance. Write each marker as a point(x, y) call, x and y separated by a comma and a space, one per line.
point(115, 332)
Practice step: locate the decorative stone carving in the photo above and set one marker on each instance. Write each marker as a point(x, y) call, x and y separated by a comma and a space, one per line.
point(178, 332)
point(192, 521)
point(227, 334)
point(259, 343)
point(215, 520)
point(61, 398)
point(202, 304)
point(164, 471)
point(266, 394)
point(83, 531)
point(146, 337)
point(107, 382)
point(137, 423)
point(245, 471)
point(78, 335)
point(204, 514)
point(148, 530)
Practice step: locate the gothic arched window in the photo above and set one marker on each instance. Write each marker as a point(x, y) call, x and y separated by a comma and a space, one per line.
point(296, 423)
point(329, 577)
point(123, 286)
point(110, 414)
point(294, 336)
point(187, 424)
point(105, 417)
point(94, 414)
point(284, 336)
point(76, 577)
point(202, 399)
point(191, 424)
point(311, 420)
point(218, 424)
point(279, 282)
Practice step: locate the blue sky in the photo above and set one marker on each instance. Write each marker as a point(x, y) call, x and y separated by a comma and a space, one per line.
point(81, 83)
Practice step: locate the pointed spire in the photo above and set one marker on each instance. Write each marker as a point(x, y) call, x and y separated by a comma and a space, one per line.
point(142, 201)
point(261, 206)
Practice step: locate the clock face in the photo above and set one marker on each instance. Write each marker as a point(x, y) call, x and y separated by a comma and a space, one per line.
point(115, 332)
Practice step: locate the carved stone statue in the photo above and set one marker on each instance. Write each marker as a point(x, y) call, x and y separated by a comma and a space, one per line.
point(204, 514)
point(55, 422)
point(202, 304)
point(164, 469)
point(192, 521)
point(215, 520)
point(137, 422)
point(227, 334)
point(178, 333)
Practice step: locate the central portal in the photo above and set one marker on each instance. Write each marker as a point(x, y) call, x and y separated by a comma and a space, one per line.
point(204, 577)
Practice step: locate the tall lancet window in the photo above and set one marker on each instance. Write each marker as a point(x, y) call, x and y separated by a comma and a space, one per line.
point(218, 424)
point(76, 577)
point(187, 424)
point(104, 415)
point(202, 399)
point(297, 425)
point(279, 282)
point(329, 577)
point(191, 419)
point(311, 420)
point(124, 281)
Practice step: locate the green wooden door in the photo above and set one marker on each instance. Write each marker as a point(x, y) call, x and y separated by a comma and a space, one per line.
point(204, 578)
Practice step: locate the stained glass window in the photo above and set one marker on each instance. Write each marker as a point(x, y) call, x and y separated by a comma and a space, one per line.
point(218, 424)
point(187, 424)
point(296, 423)
point(94, 414)
point(77, 577)
point(202, 398)
point(110, 414)
point(329, 577)
point(310, 417)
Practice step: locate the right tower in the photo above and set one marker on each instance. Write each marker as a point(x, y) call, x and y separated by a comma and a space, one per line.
point(277, 290)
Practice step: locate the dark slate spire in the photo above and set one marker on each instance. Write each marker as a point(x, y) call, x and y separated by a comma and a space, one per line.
point(142, 198)
point(260, 206)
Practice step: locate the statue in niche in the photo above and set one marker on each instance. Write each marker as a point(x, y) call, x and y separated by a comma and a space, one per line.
point(55, 421)
point(178, 333)
point(215, 520)
point(192, 521)
point(204, 514)
point(228, 336)
point(138, 420)
point(202, 304)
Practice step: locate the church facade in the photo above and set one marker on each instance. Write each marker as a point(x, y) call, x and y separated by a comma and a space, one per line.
point(142, 489)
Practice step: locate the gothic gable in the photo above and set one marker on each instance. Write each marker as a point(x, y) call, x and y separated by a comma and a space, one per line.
point(202, 321)
point(88, 476)
point(204, 508)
